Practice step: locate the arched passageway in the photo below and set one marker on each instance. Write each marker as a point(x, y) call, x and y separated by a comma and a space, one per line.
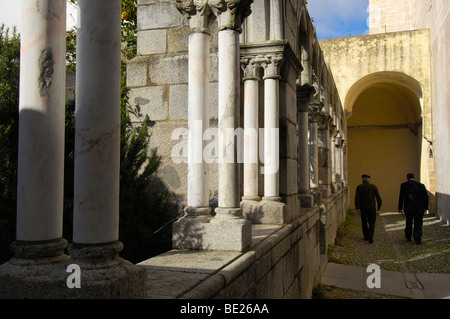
point(384, 132)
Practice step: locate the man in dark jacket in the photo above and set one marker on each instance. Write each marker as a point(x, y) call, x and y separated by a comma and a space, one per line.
point(367, 203)
point(414, 201)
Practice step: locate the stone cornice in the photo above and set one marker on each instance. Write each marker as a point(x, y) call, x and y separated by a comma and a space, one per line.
point(270, 52)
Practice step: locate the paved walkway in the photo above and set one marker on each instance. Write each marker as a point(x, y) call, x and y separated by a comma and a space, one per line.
point(407, 270)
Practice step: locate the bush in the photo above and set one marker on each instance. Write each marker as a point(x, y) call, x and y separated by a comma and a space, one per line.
point(146, 212)
point(9, 127)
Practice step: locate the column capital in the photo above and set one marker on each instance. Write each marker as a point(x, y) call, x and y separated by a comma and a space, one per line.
point(198, 13)
point(250, 67)
point(231, 13)
point(305, 95)
point(272, 65)
point(314, 112)
point(324, 120)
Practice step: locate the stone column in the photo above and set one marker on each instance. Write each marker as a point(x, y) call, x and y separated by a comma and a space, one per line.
point(304, 96)
point(314, 152)
point(332, 137)
point(324, 149)
point(187, 230)
point(200, 18)
point(271, 128)
point(276, 27)
point(95, 245)
point(251, 83)
point(227, 230)
point(39, 245)
point(230, 15)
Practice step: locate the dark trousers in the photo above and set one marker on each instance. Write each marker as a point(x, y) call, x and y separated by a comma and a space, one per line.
point(414, 218)
point(368, 217)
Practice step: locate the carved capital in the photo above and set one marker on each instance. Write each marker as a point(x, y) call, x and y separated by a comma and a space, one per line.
point(305, 94)
point(231, 13)
point(314, 112)
point(272, 65)
point(250, 67)
point(198, 13)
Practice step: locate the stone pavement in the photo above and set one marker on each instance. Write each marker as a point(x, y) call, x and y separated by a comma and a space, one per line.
point(407, 270)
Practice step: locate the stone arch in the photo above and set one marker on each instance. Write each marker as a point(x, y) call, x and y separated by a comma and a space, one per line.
point(384, 124)
point(384, 77)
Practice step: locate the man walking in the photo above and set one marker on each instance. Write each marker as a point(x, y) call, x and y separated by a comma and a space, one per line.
point(367, 203)
point(414, 201)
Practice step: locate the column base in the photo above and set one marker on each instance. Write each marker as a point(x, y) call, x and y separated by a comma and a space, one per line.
point(251, 198)
point(267, 211)
point(28, 274)
point(317, 196)
point(226, 231)
point(306, 200)
point(103, 274)
point(325, 190)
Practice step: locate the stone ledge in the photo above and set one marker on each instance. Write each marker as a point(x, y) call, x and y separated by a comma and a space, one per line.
point(202, 274)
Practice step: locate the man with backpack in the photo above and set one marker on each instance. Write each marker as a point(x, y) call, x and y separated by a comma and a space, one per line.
point(413, 201)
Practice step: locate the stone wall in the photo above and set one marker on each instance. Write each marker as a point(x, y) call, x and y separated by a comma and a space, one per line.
point(435, 15)
point(283, 261)
point(392, 15)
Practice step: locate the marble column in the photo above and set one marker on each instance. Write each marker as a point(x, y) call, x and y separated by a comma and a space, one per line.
point(271, 127)
point(39, 244)
point(228, 230)
point(230, 15)
point(333, 134)
point(314, 110)
point(304, 97)
point(235, 230)
point(276, 27)
point(97, 154)
point(200, 18)
point(41, 121)
point(325, 159)
point(251, 84)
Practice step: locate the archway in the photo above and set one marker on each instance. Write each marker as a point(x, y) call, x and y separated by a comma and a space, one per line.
point(384, 132)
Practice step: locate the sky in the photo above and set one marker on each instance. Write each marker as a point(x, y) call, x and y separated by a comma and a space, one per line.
point(339, 18)
point(332, 18)
point(10, 14)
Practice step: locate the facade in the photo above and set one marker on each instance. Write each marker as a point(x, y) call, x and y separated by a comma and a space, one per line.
point(396, 98)
point(261, 128)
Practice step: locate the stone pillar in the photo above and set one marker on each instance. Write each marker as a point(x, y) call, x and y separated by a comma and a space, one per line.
point(271, 128)
point(251, 83)
point(95, 245)
point(39, 245)
point(200, 19)
point(332, 138)
point(227, 230)
point(314, 152)
point(276, 27)
point(304, 96)
point(324, 149)
point(338, 160)
point(187, 230)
